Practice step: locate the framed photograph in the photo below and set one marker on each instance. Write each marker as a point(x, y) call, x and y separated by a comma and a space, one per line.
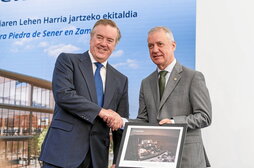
point(151, 146)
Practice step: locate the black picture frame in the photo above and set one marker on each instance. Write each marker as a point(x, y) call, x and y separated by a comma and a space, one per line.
point(146, 145)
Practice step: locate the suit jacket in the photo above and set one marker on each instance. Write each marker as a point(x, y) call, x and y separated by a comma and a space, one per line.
point(185, 100)
point(76, 127)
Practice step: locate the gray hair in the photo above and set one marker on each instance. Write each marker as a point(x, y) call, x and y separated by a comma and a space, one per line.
point(166, 30)
point(106, 22)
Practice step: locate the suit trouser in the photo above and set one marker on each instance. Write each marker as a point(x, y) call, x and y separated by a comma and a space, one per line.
point(85, 164)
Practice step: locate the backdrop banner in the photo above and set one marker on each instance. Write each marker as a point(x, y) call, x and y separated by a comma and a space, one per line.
point(34, 32)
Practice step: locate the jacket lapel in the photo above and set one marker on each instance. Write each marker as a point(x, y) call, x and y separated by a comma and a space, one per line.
point(110, 86)
point(174, 78)
point(85, 66)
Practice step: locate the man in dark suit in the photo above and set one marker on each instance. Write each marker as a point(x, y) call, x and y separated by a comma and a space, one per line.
point(175, 94)
point(91, 97)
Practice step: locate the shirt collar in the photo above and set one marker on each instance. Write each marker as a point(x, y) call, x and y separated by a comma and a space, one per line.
point(94, 61)
point(170, 67)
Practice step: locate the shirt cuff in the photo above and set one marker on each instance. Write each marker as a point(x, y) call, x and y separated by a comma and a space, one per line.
point(124, 121)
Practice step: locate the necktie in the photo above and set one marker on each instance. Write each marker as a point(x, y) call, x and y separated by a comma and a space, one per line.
point(162, 81)
point(98, 84)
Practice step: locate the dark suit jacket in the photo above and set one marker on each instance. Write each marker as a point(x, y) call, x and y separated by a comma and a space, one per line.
point(75, 126)
point(186, 100)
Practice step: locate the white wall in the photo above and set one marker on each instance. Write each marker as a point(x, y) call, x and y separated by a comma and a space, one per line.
point(225, 54)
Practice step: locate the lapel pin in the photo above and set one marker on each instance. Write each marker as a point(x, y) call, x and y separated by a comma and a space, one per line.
point(175, 78)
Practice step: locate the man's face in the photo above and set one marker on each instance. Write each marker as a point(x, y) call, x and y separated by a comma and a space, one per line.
point(103, 42)
point(161, 49)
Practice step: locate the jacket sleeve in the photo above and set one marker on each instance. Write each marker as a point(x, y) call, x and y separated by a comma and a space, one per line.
point(201, 115)
point(142, 111)
point(65, 94)
point(123, 111)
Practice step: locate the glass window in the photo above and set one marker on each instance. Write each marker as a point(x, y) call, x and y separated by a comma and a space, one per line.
point(1, 89)
point(7, 90)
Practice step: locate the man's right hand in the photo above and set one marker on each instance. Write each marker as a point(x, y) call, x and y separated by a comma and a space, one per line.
point(113, 119)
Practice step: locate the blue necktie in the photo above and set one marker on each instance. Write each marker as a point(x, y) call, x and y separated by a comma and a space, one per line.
point(98, 84)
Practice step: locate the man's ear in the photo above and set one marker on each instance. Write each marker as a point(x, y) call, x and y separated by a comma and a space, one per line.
point(174, 45)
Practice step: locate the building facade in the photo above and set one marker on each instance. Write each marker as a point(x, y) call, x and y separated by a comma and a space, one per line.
point(26, 109)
